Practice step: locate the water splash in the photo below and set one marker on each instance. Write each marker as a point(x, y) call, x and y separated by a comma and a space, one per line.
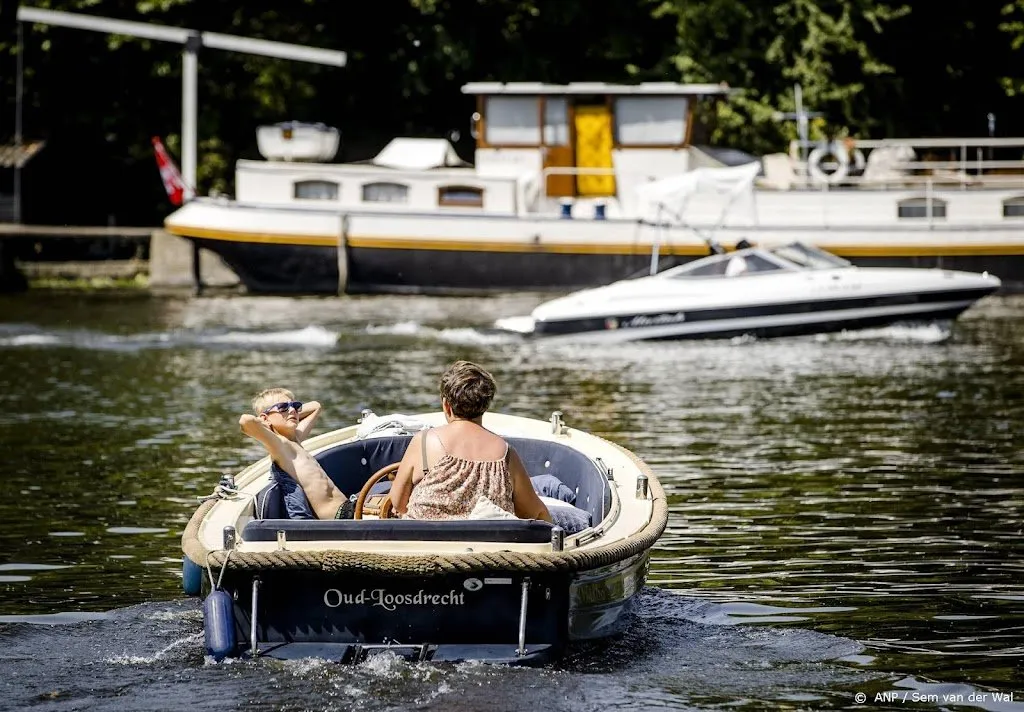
point(308, 337)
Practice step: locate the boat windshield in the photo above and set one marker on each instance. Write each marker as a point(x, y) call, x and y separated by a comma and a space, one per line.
point(731, 264)
point(809, 257)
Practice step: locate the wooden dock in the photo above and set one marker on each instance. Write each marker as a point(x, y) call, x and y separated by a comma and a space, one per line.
point(8, 230)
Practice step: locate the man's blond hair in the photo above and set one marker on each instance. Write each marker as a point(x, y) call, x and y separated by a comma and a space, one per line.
point(267, 398)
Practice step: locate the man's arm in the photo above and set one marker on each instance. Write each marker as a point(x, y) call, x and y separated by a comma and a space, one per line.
point(307, 417)
point(257, 430)
point(524, 499)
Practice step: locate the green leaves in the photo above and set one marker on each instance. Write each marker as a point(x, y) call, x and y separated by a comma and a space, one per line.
point(874, 67)
point(763, 48)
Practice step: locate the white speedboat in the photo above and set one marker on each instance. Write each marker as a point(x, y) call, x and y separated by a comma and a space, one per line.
point(788, 290)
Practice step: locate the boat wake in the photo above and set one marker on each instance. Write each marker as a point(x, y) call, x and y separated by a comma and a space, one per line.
point(934, 332)
point(30, 336)
point(679, 652)
point(466, 336)
point(511, 330)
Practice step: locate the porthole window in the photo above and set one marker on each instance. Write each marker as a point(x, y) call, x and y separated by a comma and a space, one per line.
point(1013, 207)
point(316, 190)
point(460, 196)
point(385, 193)
point(915, 208)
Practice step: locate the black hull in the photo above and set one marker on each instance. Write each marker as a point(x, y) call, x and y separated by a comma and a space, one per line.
point(274, 268)
point(303, 269)
point(772, 320)
point(450, 617)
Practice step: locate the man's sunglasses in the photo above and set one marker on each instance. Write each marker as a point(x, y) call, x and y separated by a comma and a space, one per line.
point(283, 407)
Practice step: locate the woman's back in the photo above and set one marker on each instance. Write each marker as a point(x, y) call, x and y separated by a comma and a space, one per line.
point(466, 440)
point(462, 461)
point(445, 471)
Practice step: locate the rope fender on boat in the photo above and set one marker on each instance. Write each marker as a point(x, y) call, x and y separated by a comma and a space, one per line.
point(426, 565)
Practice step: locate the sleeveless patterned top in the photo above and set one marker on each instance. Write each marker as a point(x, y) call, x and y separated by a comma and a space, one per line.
point(451, 488)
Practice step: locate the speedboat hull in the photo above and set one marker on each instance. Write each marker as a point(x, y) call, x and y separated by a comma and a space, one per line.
point(767, 320)
point(791, 290)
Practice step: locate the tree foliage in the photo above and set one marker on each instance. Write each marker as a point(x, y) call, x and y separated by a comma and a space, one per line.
point(873, 67)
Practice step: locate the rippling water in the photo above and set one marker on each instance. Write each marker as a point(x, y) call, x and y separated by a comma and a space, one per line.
point(846, 512)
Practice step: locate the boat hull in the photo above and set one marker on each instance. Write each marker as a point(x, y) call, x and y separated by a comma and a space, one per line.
point(794, 318)
point(450, 617)
point(282, 268)
point(276, 268)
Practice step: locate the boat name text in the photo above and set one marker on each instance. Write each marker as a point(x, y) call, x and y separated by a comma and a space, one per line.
point(333, 598)
point(641, 320)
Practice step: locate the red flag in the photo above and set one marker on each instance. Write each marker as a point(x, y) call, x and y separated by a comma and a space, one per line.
point(174, 184)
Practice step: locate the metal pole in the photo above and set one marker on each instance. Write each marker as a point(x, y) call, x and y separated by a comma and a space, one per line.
point(801, 121)
point(19, 90)
point(189, 111)
point(656, 243)
point(524, 598)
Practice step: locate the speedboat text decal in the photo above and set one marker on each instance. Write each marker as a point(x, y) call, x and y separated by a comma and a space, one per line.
point(333, 598)
point(641, 320)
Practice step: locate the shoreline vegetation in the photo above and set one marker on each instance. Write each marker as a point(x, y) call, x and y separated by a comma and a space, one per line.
point(89, 275)
point(64, 283)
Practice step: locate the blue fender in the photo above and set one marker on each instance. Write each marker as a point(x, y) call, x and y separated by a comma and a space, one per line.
point(219, 621)
point(191, 577)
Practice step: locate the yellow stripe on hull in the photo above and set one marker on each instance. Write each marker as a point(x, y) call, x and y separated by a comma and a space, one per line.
point(263, 238)
point(470, 245)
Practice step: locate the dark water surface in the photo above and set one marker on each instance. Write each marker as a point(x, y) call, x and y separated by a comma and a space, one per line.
point(846, 512)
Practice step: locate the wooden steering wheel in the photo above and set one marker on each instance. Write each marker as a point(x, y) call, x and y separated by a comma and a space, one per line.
point(387, 507)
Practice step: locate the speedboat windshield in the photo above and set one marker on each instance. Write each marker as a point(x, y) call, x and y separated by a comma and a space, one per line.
point(749, 261)
point(808, 256)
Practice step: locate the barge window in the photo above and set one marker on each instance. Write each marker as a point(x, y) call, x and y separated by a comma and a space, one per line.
point(384, 192)
point(556, 121)
point(650, 121)
point(1014, 207)
point(316, 190)
point(512, 121)
point(463, 196)
point(918, 208)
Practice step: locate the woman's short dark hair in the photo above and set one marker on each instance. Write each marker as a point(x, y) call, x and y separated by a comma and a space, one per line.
point(468, 388)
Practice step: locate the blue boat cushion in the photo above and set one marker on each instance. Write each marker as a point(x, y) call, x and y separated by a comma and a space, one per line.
point(517, 531)
point(350, 465)
point(551, 486)
point(572, 519)
point(270, 503)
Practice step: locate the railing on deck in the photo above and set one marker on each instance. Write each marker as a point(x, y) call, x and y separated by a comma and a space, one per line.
point(963, 163)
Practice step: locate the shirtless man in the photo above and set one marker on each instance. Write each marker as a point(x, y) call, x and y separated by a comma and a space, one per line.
point(280, 424)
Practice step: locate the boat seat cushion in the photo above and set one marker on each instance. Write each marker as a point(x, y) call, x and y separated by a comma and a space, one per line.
point(551, 486)
point(516, 531)
point(350, 465)
point(270, 503)
point(572, 519)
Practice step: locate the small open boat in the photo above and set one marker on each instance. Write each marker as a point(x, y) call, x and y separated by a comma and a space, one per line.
point(498, 590)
